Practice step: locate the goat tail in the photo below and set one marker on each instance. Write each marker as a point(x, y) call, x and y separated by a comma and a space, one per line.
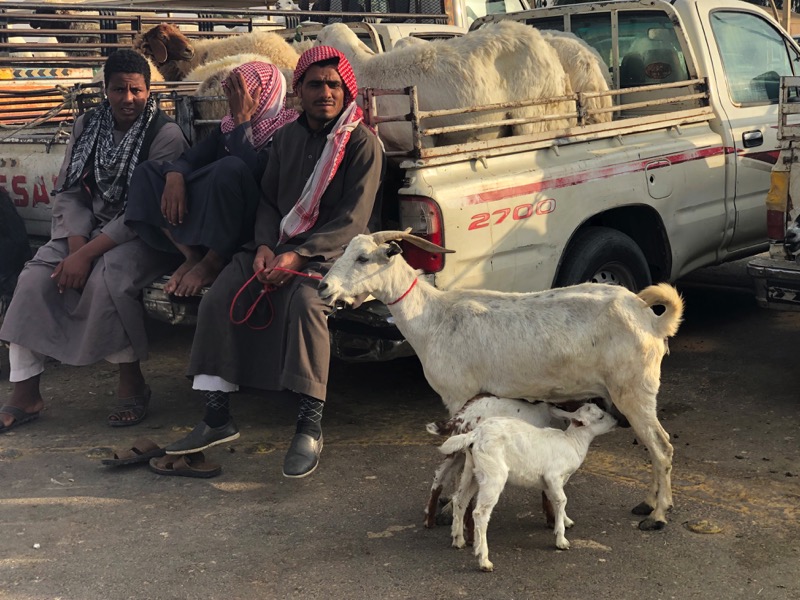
point(457, 443)
point(663, 294)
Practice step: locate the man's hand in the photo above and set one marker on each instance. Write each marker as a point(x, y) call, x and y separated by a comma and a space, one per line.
point(264, 257)
point(72, 272)
point(288, 260)
point(241, 103)
point(173, 200)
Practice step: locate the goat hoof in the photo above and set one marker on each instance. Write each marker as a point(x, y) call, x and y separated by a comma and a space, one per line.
point(642, 509)
point(487, 567)
point(652, 525)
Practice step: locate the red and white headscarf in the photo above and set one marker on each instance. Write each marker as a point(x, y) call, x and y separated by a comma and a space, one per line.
point(270, 114)
point(305, 212)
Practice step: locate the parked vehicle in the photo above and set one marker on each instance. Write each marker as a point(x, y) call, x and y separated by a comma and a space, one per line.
point(776, 275)
point(674, 182)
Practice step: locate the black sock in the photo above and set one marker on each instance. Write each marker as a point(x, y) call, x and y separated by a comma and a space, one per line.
point(218, 408)
point(309, 421)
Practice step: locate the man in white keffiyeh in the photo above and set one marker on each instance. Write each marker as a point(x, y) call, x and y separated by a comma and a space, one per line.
point(320, 188)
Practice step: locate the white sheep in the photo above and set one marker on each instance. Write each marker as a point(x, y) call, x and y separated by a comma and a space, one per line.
point(586, 70)
point(474, 411)
point(176, 56)
point(501, 450)
point(502, 62)
point(212, 74)
point(578, 342)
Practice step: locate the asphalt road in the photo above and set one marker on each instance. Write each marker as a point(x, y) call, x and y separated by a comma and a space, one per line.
point(73, 529)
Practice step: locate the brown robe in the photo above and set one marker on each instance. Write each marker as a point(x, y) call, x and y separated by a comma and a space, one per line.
point(83, 327)
point(294, 351)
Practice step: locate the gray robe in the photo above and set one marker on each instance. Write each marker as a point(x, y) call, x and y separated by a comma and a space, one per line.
point(83, 327)
point(294, 351)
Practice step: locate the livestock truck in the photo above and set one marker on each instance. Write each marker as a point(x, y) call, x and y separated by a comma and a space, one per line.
point(673, 182)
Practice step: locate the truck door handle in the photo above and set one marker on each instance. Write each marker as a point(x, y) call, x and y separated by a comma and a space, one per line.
point(751, 139)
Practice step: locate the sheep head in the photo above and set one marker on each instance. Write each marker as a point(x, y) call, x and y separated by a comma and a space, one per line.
point(345, 40)
point(368, 266)
point(164, 42)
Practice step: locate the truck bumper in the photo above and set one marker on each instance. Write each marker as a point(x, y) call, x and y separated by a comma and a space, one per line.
point(367, 333)
point(777, 282)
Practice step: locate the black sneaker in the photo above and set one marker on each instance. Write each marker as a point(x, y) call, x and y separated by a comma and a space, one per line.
point(303, 456)
point(203, 436)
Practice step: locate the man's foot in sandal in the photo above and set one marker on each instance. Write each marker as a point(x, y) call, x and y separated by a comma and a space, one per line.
point(17, 415)
point(187, 465)
point(141, 451)
point(132, 410)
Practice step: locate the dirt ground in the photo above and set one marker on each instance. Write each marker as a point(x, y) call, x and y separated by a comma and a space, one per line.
point(73, 529)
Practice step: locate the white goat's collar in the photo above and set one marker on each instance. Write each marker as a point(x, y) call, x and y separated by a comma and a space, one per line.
point(411, 287)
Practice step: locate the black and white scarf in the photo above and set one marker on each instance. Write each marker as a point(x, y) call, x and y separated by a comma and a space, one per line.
point(113, 164)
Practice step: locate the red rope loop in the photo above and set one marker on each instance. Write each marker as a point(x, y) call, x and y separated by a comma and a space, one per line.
point(263, 293)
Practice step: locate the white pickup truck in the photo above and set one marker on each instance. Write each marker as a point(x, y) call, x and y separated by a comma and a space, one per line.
point(674, 182)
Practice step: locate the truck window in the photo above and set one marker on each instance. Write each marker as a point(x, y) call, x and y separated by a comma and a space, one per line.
point(649, 50)
point(481, 8)
point(754, 56)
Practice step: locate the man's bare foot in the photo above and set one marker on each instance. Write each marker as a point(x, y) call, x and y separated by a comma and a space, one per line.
point(202, 274)
point(178, 275)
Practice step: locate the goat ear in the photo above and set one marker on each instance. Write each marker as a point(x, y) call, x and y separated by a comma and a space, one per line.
point(393, 248)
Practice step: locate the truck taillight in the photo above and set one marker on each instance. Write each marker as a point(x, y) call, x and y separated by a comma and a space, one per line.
point(425, 219)
point(777, 204)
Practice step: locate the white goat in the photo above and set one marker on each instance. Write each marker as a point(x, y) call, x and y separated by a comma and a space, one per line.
point(502, 62)
point(502, 449)
point(475, 411)
point(176, 56)
point(578, 342)
point(586, 70)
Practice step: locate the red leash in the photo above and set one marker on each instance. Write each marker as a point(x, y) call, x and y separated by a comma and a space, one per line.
point(264, 292)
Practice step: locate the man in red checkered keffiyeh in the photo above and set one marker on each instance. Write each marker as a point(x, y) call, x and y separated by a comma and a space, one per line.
point(270, 114)
point(305, 212)
point(319, 190)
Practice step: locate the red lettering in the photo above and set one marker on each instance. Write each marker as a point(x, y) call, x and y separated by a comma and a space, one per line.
point(545, 206)
point(18, 187)
point(40, 195)
point(479, 221)
point(503, 212)
point(523, 211)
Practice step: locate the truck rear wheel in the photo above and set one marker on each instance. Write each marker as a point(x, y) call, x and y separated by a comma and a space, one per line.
point(604, 255)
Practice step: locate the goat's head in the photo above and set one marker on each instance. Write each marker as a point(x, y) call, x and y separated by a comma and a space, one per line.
point(366, 266)
point(588, 415)
point(164, 42)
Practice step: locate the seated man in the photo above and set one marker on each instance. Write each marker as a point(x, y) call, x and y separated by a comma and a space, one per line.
point(77, 300)
point(319, 190)
point(204, 204)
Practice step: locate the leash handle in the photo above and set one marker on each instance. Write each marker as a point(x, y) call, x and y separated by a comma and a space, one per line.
point(264, 292)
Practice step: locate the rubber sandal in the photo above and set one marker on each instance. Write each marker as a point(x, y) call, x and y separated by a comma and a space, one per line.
point(185, 465)
point(142, 451)
point(20, 417)
point(135, 404)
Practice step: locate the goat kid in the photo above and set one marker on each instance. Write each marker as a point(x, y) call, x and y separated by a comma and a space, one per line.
point(579, 342)
point(476, 410)
point(501, 450)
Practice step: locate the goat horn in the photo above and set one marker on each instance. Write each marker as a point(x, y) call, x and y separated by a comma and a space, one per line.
point(381, 237)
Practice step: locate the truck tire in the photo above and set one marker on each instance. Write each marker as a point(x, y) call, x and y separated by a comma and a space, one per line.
point(604, 255)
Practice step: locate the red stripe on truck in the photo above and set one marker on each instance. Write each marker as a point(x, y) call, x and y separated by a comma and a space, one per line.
point(594, 174)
